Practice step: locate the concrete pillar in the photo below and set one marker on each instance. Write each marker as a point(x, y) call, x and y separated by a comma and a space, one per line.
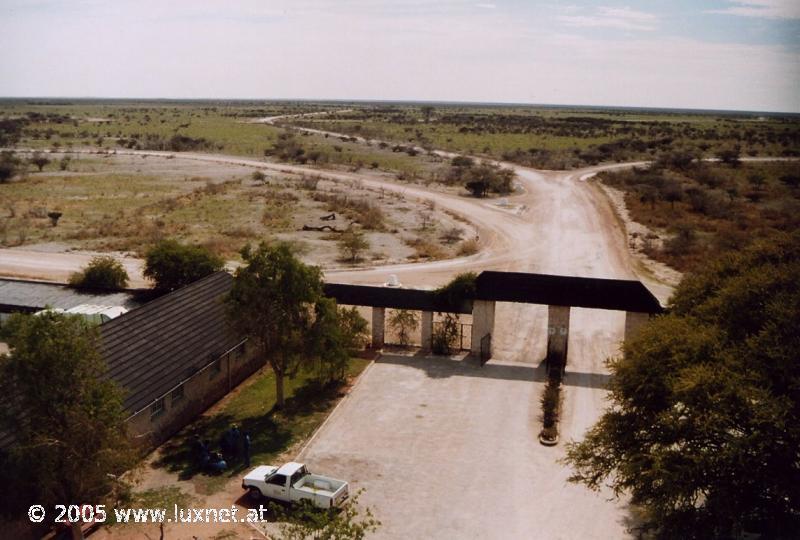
point(634, 322)
point(482, 324)
point(427, 330)
point(378, 319)
point(557, 334)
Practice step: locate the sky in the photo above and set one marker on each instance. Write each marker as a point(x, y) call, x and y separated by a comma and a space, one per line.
point(706, 54)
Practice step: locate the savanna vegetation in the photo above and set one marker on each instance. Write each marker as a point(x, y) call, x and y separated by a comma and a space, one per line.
point(564, 138)
point(697, 209)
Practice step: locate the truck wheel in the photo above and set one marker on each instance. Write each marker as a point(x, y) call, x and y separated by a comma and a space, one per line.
point(254, 493)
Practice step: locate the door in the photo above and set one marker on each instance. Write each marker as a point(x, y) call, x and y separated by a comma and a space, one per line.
point(276, 487)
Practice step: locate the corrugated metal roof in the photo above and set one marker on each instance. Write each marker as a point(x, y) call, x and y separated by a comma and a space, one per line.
point(28, 296)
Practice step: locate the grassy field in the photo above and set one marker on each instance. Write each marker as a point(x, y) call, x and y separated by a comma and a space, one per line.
point(216, 128)
point(251, 407)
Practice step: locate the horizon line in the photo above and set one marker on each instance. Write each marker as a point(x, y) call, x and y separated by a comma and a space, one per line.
point(411, 101)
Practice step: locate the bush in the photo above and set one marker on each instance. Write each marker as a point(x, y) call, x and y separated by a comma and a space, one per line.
point(460, 289)
point(453, 235)
point(445, 335)
point(172, 265)
point(9, 165)
point(468, 247)
point(352, 244)
point(403, 322)
point(550, 399)
point(103, 272)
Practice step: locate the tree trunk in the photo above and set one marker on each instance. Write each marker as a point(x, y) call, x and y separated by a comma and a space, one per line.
point(280, 401)
point(77, 531)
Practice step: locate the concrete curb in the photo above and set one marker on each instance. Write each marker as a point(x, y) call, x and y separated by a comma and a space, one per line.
point(336, 408)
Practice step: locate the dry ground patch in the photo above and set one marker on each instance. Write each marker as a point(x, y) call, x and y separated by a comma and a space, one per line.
point(125, 203)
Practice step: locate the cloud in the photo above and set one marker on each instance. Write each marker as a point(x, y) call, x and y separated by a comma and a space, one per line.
point(769, 9)
point(623, 18)
point(486, 6)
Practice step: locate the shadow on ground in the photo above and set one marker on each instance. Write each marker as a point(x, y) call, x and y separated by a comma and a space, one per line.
point(438, 367)
point(271, 433)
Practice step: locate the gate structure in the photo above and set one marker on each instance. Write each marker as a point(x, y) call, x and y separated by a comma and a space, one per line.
point(559, 293)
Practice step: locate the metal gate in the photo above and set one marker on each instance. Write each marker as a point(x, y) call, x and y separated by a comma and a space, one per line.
point(461, 342)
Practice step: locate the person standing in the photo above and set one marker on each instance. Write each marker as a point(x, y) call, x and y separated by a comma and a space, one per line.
point(246, 448)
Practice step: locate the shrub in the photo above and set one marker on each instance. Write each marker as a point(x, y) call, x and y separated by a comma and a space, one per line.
point(445, 334)
point(39, 160)
point(550, 398)
point(54, 217)
point(403, 322)
point(8, 166)
point(468, 247)
point(352, 244)
point(453, 235)
point(103, 272)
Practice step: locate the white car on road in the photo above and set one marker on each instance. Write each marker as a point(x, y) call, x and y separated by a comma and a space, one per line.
point(292, 483)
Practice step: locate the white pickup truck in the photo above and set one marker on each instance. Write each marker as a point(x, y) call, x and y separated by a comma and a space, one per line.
point(292, 483)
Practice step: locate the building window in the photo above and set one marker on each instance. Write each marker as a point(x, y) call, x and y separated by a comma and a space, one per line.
point(177, 395)
point(157, 408)
point(215, 369)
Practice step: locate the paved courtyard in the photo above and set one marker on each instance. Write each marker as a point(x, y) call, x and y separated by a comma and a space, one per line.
point(447, 449)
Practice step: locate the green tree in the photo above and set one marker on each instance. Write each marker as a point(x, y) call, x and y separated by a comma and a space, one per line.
point(352, 244)
point(66, 416)
point(102, 272)
point(273, 301)
point(704, 427)
point(486, 177)
point(172, 265)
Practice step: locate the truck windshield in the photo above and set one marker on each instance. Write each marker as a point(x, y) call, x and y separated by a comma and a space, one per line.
point(296, 477)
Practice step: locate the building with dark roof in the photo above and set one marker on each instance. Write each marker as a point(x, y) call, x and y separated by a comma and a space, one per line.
point(176, 356)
